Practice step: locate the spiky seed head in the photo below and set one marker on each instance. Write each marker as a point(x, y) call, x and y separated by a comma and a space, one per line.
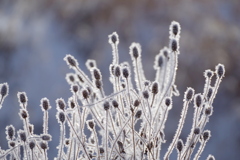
point(45, 104)
point(22, 97)
point(61, 104)
point(67, 142)
point(46, 137)
point(136, 103)
point(179, 145)
point(31, 128)
point(70, 78)
point(74, 88)
point(80, 78)
point(146, 83)
point(96, 74)
point(90, 63)
point(10, 131)
point(61, 117)
point(115, 104)
point(175, 29)
point(208, 111)
point(71, 103)
point(135, 50)
point(113, 38)
point(198, 100)
point(22, 135)
point(98, 83)
point(196, 130)
point(106, 105)
point(145, 94)
point(206, 135)
point(4, 89)
point(220, 70)
point(168, 101)
point(11, 144)
point(85, 94)
point(125, 72)
point(31, 145)
point(155, 88)
point(160, 61)
point(174, 45)
point(23, 113)
point(91, 124)
point(101, 150)
point(208, 74)
point(71, 61)
point(117, 72)
point(43, 145)
point(138, 114)
point(189, 94)
point(209, 93)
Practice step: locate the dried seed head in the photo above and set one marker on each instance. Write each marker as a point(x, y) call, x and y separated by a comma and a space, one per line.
point(208, 111)
point(198, 100)
point(97, 74)
point(206, 135)
point(189, 94)
point(125, 72)
point(136, 103)
point(43, 145)
point(61, 104)
point(91, 64)
point(46, 137)
point(155, 88)
point(98, 84)
point(91, 124)
point(45, 104)
point(179, 145)
point(11, 144)
point(67, 142)
point(113, 38)
point(80, 78)
point(174, 45)
point(160, 61)
point(115, 104)
point(175, 29)
point(4, 90)
point(23, 114)
point(22, 135)
point(135, 50)
point(220, 70)
point(70, 78)
point(196, 131)
point(74, 88)
point(209, 93)
point(145, 94)
point(71, 103)
point(101, 150)
point(22, 98)
point(10, 131)
point(31, 145)
point(168, 101)
point(31, 128)
point(85, 94)
point(117, 72)
point(106, 105)
point(61, 117)
point(71, 61)
point(138, 114)
point(208, 74)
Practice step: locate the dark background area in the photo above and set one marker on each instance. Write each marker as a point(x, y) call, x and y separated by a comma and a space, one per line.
point(35, 37)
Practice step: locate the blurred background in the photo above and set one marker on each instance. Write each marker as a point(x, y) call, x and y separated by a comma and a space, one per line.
point(36, 35)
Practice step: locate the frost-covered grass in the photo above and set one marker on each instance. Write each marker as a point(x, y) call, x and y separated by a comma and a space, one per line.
point(113, 119)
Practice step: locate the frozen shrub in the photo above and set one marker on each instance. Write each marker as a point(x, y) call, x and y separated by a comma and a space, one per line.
point(111, 119)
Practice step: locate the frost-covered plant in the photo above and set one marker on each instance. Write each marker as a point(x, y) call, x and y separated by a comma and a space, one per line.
point(112, 119)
